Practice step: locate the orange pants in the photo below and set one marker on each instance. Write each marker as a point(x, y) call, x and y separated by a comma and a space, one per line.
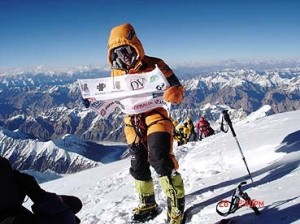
point(150, 136)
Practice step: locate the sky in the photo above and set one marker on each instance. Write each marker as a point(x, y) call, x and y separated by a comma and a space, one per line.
point(211, 170)
point(66, 33)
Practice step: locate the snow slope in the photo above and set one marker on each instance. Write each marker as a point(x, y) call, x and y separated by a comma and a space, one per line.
point(211, 169)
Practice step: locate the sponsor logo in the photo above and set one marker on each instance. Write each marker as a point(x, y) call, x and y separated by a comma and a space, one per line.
point(97, 104)
point(101, 86)
point(137, 84)
point(85, 87)
point(117, 85)
point(103, 112)
point(155, 95)
point(109, 105)
point(130, 34)
point(158, 101)
point(160, 87)
point(153, 78)
point(142, 105)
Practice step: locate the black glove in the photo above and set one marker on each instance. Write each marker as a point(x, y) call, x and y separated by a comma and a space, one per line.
point(28, 186)
point(86, 103)
point(5, 165)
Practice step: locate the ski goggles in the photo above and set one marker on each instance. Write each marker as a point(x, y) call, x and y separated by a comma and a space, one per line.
point(124, 50)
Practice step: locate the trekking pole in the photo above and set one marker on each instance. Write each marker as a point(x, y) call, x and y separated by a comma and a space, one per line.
point(228, 121)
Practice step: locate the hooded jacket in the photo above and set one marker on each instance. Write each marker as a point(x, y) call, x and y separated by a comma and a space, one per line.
point(125, 34)
point(156, 120)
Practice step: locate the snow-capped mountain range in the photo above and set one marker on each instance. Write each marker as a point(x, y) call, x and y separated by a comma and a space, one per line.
point(245, 89)
point(67, 155)
point(48, 106)
point(41, 111)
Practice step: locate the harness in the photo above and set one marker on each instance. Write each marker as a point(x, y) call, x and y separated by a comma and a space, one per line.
point(138, 123)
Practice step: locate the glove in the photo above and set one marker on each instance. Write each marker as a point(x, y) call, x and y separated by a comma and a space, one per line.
point(86, 103)
point(74, 203)
point(5, 165)
point(28, 185)
point(174, 94)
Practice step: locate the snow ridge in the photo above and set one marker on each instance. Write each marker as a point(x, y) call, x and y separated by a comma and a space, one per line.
point(211, 169)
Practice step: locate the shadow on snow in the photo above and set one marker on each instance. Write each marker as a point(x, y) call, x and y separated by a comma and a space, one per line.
point(276, 170)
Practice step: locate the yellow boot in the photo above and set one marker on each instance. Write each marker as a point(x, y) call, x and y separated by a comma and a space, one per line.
point(147, 208)
point(174, 189)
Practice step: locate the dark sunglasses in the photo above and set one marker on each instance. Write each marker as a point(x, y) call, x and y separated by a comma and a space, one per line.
point(124, 50)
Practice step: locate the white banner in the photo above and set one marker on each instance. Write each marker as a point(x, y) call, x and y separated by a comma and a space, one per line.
point(123, 86)
point(132, 93)
point(104, 108)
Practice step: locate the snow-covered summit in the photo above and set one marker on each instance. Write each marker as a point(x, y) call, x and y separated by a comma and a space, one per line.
point(211, 169)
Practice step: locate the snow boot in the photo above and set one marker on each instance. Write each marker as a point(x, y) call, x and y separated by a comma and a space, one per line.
point(174, 189)
point(175, 213)
point(147, 208)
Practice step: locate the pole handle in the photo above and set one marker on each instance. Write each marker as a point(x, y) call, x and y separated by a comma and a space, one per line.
point(226, 116)
point(228, 121)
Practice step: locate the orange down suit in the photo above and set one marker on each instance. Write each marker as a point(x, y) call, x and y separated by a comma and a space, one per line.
point(151, 138)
